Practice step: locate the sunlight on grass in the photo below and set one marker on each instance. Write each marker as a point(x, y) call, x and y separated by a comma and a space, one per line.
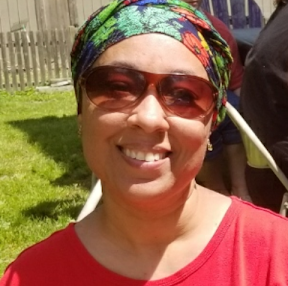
point(44, 180)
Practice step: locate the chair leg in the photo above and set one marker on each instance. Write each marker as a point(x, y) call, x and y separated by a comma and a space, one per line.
point(92, 200)
point(284, 205)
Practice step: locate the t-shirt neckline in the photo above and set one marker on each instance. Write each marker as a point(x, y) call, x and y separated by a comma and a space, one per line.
point(109, 277)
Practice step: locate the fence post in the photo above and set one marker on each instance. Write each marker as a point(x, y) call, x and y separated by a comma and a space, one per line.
point(12, 60)
point(62, 54)
point(41, 56)
point(5, 63)
point(48, 53)
point(25, 44)
point(34, 58)
point(73, 15)
point(19, 60)
point(70, 40)
point(55, 53)
point(40, 15)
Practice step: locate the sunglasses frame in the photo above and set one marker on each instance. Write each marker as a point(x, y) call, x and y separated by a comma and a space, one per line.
point(89, 72)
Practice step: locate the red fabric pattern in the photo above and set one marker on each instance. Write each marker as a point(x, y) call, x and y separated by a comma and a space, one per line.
point(193, 44)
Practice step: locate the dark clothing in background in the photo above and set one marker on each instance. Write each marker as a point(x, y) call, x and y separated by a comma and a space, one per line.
point(264, 104)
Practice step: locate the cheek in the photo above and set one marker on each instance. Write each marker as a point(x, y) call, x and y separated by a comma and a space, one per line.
point(192, 133)
point(100, 131)
point(98, 128)
point(196, 142)
point(190, 148)
point(192, 141)
point(96, 124)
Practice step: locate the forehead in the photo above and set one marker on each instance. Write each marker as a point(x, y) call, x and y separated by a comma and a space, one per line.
point(154, 53)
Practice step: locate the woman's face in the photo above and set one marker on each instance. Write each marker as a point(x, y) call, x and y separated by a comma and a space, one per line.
point(176, 145)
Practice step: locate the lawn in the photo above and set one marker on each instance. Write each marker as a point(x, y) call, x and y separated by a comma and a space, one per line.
point(43, 177)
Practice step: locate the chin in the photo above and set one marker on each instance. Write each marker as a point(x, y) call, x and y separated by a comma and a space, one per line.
point(149, 189)
point(154, 194)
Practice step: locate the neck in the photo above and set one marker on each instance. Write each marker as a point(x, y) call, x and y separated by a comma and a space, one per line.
point(148, 225)
point(140, 244)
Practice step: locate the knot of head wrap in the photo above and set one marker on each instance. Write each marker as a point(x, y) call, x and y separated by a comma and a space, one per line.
point(123, 19)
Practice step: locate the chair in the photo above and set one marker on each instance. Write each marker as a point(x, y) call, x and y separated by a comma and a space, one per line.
point(236, 14)
point(257, 157)
point(257, 154)
point(92, 200)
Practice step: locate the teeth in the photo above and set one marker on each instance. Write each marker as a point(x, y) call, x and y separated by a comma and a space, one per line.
point(140, 156)
point(148, 157)
point(133, 154)
point(157, 157)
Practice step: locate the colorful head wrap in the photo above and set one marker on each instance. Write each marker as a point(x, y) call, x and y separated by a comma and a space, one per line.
point(123, 19)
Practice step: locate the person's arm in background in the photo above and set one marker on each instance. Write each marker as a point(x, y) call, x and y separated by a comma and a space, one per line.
point(237, 91)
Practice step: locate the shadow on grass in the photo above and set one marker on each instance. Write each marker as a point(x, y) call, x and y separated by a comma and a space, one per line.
point(54, 209)
point(57, 138)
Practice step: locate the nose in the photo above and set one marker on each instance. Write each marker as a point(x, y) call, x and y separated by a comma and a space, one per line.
point(149, 114)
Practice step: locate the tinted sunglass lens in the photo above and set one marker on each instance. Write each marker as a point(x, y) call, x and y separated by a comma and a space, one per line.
point(114, 88)
point(186, 96)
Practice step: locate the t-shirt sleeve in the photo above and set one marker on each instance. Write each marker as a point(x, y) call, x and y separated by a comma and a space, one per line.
point(236, 68)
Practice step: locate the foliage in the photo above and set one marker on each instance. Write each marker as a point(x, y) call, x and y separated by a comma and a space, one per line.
point(43, 178)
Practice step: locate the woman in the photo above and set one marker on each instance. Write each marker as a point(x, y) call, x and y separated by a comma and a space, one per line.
point(150, 79)
point(264, 101)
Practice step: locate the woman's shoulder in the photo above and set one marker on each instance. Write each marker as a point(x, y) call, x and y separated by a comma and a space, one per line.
point(40, 258)
point(262, 236)
point(49, 245)
point(258, 218)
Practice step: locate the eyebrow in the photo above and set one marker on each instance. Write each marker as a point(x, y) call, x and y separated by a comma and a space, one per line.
point(133, 66)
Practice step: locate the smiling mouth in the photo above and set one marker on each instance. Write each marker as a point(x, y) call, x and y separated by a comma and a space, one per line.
point(144, 156)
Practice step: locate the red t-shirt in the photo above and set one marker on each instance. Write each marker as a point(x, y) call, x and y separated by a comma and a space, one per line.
point(237, 68)
point(250, 247)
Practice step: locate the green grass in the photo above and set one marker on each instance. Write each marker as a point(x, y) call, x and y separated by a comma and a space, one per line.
point(44, 180)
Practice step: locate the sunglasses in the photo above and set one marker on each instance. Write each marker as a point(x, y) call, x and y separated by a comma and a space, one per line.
point(115, 88)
